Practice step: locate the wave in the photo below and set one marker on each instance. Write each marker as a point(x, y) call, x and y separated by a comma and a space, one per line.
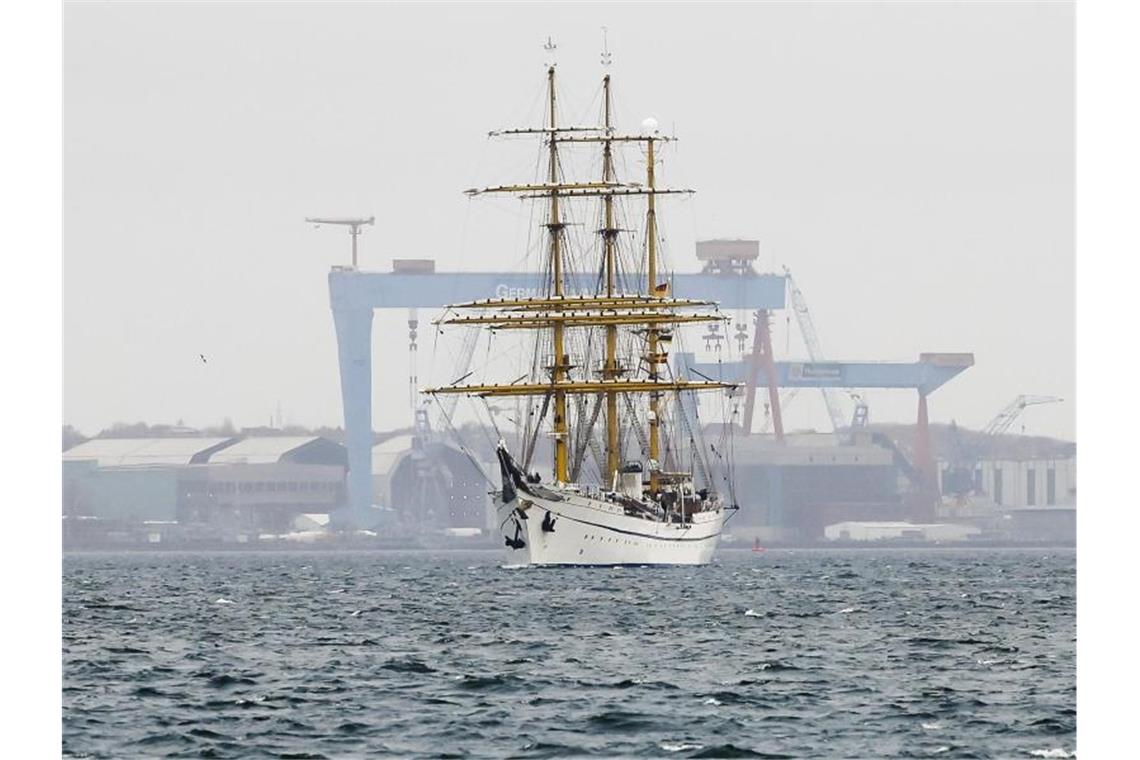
point(620, 720)
point(678, 746)
point(409, 665)
point(731, 750)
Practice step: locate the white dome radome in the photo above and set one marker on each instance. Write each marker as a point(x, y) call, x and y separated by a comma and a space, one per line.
point(649, 125)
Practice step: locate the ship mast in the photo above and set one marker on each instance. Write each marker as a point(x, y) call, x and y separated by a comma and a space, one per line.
point(656, 311)
point(653, 356)
point(559, 367)
point(608, 236)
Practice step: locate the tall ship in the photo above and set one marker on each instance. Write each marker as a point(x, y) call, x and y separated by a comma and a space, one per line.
point(632, 479)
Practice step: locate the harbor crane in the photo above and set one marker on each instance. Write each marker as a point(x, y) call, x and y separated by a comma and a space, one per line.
point(962, 478)
point(815, 352)
point(353, 225)
point(354, 295)
point(807, 329)
point(1007, 416)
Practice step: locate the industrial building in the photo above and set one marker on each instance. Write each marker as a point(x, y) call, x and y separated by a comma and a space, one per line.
point(430, 484)
point(999, 483)
point(131, 480)
point(789, 491)
point(182, 489)
point(792, 492)
point(900, 531)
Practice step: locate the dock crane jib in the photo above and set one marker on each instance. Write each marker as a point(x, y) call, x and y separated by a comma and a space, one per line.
point(807, 329)
point(1007, 416)
point(353, 225)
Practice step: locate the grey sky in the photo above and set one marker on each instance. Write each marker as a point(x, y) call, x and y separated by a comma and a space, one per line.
point(911, 163)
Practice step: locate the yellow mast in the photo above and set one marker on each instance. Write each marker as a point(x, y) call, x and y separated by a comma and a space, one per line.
point(609, 233)
point(651, 285)
point(582, 387)
point(620, 301)
point(578, 319)
point(655, 310)
point(561, 430)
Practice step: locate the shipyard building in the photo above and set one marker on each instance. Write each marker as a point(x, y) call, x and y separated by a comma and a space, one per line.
point(230, 489)
point(864, 486)
point(428, 484)
point(791, 491)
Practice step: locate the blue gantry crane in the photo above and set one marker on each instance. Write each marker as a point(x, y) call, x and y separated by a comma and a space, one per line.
point(355, 294)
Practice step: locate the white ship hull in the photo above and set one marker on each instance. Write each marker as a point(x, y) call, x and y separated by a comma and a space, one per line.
point(573, 529)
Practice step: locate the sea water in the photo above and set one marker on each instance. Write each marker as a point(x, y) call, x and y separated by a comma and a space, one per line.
point(813, 653)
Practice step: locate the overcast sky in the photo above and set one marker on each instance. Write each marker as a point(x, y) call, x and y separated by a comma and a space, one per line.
point(911, 163)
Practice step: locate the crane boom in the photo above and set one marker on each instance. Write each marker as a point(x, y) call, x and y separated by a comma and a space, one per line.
point(353, 225)
point(807, 329)
point(962, 479)
point(1007, 416)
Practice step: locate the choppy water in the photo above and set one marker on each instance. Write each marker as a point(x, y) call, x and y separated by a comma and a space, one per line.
point(783, 654)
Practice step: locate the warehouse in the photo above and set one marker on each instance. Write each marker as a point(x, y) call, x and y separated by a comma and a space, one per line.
point(211, 488)
point(791, 491)
point(262, 484)
point(430, 485)
point(130, 479)
point(899, 531)
point(1009, 482)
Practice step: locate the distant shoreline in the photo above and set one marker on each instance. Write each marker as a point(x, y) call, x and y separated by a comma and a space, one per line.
point(332, 548)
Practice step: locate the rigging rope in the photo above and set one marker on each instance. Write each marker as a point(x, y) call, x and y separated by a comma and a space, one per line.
point(465, 450)
point(528, 451)
point(585, 438)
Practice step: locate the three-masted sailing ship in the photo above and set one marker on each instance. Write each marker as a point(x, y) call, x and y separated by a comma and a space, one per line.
point(600, 352)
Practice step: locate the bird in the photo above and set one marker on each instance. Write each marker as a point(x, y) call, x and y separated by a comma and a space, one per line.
point(202, 357)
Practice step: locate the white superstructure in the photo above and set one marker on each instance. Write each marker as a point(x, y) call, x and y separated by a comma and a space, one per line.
point(569, 525)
